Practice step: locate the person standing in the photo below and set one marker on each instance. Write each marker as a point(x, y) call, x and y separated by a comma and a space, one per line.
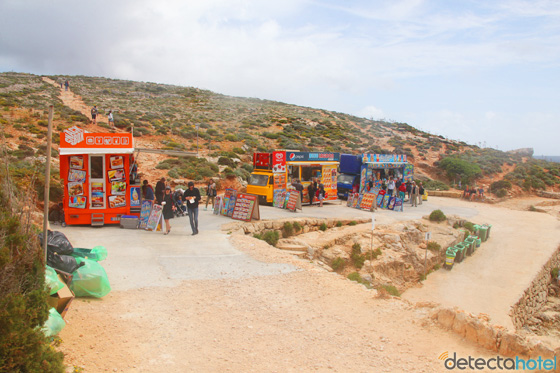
point(414, 194)
point(390, 187)
point(147, 191)
point(210, 193)
point(94, 113)
point(160, 187)
point(402, 191)
point(192, 196)
point(111, 119)
point(168, 208)
point(299, 188)
point(321, 194)
point(311, 192)
point(66, 85)
point(408, 188)
point(420, 193)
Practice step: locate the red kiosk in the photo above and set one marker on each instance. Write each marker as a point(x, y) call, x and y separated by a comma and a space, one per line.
point(97, 170)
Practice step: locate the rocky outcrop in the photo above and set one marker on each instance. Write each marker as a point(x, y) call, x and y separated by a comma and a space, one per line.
point(524, 152)
point(546, 194)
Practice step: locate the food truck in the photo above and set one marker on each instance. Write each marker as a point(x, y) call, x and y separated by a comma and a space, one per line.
point(376, 167)
point(97, 170)
point(274, 173)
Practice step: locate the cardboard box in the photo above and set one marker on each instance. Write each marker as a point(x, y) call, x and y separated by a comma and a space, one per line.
point(62, 299)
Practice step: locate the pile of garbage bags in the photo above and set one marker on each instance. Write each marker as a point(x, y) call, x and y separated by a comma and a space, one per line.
point(88, 277)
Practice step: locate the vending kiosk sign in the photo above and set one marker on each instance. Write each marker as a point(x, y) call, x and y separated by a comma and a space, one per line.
point(95, 170)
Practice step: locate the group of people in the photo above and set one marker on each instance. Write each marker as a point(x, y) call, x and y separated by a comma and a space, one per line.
point(315, 191)
point(473, 193)
point(395, 187)
point(173, 202)
point(95, 113)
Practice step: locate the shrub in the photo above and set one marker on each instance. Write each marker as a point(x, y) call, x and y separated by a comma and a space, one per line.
point(288, 229)
point(323, 227)
point(355, 276)
point(23, 306)
point(271, 237)
point(497, 185)
point(338, 264)
point(470, 226)
point(437, 215)
point(353, 222)
point(554, 273)
point(339, 223)
point(391, 290)
point(375, 253)
point(455, 166)
point(358, 258)
point(501, 193)
point(297, 226)
point(433, 246)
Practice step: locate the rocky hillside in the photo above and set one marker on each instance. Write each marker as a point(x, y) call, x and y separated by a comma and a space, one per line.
point(231, 128)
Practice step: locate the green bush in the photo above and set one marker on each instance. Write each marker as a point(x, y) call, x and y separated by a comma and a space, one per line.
point(454, 166)
point(339, 223)
point(391, 290)
point(355, 276)
point(288, 229)
point(470, 226)
point(338, 264)
point(437, 215)
point(271, 237)
point(435, 185)
point(23, 306)
point(297, 226)
point(497, 185)
point(501, 193)
point(357, 257)
point(375, 253)
point(433, 246)
point(353, 222)
point(323, 227)
point(554, 273)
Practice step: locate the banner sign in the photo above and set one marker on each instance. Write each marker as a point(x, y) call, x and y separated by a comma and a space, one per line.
point(383, 158)
point(145, 214)
point(279, 162)
point(311, 157)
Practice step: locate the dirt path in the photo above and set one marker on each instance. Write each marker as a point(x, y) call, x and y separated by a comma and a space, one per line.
point(75, 102)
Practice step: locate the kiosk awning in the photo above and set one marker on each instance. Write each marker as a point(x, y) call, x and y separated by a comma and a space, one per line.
point(72, 151)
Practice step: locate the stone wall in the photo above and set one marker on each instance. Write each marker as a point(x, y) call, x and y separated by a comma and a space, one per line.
point(545, 194)
point(308, 224)
point(478, 330)
point(536, 295)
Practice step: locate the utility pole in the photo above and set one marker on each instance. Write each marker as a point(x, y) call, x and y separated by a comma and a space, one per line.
point(47, 182)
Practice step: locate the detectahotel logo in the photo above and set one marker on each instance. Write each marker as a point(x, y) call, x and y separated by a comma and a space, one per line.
point(496, 363)
point(74, 135)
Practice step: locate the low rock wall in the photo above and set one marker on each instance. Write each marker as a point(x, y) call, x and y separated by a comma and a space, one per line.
point(478, 330)
point(536, 295)
point(445, 193)
point(544, 194)
point(307, 224)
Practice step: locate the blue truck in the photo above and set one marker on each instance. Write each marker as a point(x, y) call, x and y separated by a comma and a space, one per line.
point(349, 174)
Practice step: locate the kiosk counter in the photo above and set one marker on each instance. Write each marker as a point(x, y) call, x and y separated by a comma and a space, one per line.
point(97, 170)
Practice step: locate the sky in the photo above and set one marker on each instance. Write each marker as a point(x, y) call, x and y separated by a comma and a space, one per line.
point(484, 72)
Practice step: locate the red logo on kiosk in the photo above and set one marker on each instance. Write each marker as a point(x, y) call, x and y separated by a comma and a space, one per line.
point(292, 156)
point(279, 162)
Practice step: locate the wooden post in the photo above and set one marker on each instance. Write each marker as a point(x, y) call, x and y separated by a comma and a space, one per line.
point(47, 182)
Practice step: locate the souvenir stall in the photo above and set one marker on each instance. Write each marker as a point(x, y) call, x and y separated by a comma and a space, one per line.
point(376, 167)
point(98, 172)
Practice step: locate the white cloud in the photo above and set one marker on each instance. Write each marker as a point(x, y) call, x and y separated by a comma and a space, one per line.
point(371, 112)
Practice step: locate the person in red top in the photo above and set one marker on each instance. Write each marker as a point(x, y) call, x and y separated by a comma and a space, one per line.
point(402, 191)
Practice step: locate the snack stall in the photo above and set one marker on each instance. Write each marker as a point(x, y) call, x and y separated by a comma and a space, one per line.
point(97, 173)
point(376, 167)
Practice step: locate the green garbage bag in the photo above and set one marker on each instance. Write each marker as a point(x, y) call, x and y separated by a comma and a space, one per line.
point(54, 324)
point(52, 282)
point(90, 280)
point(98, 253)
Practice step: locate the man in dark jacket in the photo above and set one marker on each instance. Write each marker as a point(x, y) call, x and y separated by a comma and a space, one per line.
point(311, 191)
point(192, 197)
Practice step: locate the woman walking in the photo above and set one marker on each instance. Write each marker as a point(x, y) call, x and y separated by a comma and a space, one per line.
point(168, 208)
point(321, 194)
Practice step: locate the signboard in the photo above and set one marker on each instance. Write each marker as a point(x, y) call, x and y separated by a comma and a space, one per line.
point(246, 207)
point(135, 197)
point(280, 181)
point(311, 157)
point(383, 158)
point(408, 173)
point(279, 162)
point(398, 205)
point(279, 197)
point(144, 214)
point(293, 201)
point(77, 138)
point(368, 199)
point(228, 194)
point(155, 217)
point(350, 199)
point(217, 205)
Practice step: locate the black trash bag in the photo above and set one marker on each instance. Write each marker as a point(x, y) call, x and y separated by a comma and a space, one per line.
point(64, 263)
point(57, 243)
